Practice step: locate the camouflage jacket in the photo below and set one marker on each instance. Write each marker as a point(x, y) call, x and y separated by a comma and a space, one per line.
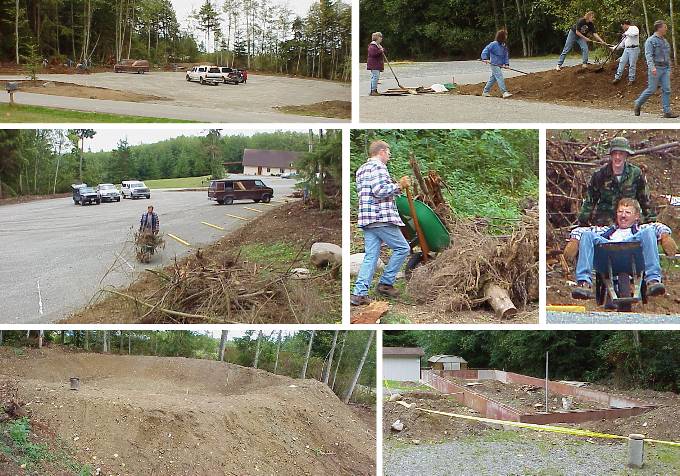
point(605, 191)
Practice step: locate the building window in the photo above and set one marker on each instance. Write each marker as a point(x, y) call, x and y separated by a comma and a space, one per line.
point(282, 170)
point(268, 169)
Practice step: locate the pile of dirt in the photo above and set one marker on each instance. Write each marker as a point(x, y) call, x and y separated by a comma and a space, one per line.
point(336, 109)
point(456, 278)
point(575, 86)
point(428, 427)
point(148, 415)
point(31, 198)
point(218, 285)
point(58, 88)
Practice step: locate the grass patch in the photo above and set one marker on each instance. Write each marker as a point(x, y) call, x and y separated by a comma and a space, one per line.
point(186, 182)
point(393, 318)
point(334, 109)
point(20, 113)
point(396, 385)
point(280, 252)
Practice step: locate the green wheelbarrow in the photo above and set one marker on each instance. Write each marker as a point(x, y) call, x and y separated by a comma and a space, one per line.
point(423, 228)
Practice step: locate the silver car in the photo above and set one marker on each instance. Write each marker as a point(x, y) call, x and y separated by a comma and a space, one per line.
point(108, 192)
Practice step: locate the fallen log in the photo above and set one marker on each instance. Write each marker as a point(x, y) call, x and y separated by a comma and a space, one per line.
point(499, 300)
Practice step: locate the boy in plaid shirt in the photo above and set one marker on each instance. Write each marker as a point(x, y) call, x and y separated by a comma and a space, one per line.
point(380, 222)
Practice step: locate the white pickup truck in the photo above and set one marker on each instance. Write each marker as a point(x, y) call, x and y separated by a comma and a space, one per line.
point(205, 75)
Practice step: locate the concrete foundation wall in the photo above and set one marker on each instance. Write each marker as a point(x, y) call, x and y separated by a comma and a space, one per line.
point(619, 407)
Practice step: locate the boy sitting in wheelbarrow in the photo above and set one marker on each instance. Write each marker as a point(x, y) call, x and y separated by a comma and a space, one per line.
point(626, 229)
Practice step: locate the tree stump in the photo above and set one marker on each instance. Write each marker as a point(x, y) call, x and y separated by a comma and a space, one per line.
point(500, 301)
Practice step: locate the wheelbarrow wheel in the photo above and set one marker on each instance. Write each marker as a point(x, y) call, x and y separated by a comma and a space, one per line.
point(625, 290)
point(413, 262)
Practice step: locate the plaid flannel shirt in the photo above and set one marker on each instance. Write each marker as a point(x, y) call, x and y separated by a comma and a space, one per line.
point(659, 229)
point(376, 192)
point(153, 224)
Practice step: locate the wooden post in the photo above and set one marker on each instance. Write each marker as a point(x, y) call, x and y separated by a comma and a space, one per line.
point(500, 301)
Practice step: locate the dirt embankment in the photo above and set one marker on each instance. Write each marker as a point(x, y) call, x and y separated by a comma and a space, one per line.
point(58, 88)
point(169, 416)
point(575, 86)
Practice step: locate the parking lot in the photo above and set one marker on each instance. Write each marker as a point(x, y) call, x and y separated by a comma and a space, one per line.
point(251, 102)
point(56, 255)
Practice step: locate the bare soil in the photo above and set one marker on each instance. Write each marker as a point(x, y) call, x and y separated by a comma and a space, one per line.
point(311, 300)
point(575, 86)
point(31, 198)
point(337, 109)
point(58, 88)
point(170, 416)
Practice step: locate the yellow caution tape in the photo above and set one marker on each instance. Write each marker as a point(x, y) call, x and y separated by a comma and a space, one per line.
point(179, 239)
point(549, 428)
point(565, 308)
point(211, 225)
point(254, 209)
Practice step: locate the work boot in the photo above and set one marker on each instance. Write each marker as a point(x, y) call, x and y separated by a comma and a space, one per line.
point(655, 288)
point(558, 67)
point(375, 93)
point(582, 290)
point(485, 94)
point(356, 300)
point(387, 290)
point(636, 110)
point(669, 115)
point(506, 94)
point(616, 80)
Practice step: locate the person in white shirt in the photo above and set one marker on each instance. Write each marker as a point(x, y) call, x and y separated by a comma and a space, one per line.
point(626, 229)
point(630, 43)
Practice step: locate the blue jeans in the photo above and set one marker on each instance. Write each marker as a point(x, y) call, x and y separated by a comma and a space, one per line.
point(629, 57)
point(646, 237)
point(373, 238)
point(663, 79)
point(496, 77)
point(572, 38)
point(375, 76)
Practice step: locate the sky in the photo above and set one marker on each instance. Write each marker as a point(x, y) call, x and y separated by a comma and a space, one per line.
point(183, 8)
point(107, 139)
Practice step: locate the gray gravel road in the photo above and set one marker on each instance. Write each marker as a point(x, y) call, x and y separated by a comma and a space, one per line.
point(458, 108)
point(610, 318)
point(251, 102)
point(479, 458)
point(54, 253)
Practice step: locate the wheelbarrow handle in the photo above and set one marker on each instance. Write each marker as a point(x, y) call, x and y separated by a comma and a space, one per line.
point(419, 232)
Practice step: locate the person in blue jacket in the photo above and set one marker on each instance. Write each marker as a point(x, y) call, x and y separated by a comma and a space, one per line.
point(496, 55)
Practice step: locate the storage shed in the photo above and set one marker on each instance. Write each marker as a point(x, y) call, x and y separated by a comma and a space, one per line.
point(447, 362)
point(402, 363)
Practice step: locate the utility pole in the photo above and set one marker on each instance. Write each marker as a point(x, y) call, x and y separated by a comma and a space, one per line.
point(546, 382)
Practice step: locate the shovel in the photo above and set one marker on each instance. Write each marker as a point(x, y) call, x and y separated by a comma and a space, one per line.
point(419, 231)
point(406, 90)
point(507, 67)
point(600, 68)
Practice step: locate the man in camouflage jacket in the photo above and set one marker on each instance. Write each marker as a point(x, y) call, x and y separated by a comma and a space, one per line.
point(616, 180)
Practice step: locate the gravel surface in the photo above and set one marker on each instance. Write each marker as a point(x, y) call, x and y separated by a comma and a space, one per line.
point(480, 458)
point(54, 254)
point(433, 108)
point(609, 318)
point(251, 102)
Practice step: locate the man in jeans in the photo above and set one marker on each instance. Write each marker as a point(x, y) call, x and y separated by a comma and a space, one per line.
point(149, 223)
point(631, 50)
point(380, 222)
point(658, 56)
point(375, 61)
point(579, 34)
point(626, 229)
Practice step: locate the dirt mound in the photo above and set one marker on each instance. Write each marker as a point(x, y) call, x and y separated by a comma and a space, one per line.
point(169, 416)
point(336, 109)
point(455, 280)
point(58, 88)
point(575, 86)
point(218, 285)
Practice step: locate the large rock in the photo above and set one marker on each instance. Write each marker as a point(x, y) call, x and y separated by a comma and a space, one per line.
point(355, 261)
point(324, 254)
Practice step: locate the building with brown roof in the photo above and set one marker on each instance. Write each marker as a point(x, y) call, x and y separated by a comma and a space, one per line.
point(269, 162)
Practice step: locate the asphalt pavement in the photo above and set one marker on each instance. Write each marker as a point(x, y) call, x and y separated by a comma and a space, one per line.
point(610, 318)
point(437, 108)
point(55, 255)
point(254, 101)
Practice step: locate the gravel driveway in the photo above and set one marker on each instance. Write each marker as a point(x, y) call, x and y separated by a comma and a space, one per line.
point(251, 102)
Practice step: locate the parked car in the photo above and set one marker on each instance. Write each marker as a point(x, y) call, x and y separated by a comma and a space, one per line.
point(290, 175)
point(134, 189)
point(226, 191)
point(83, 194)
point(131, 66)
point(205, 75)
point(108, 192)
point(233, 76)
